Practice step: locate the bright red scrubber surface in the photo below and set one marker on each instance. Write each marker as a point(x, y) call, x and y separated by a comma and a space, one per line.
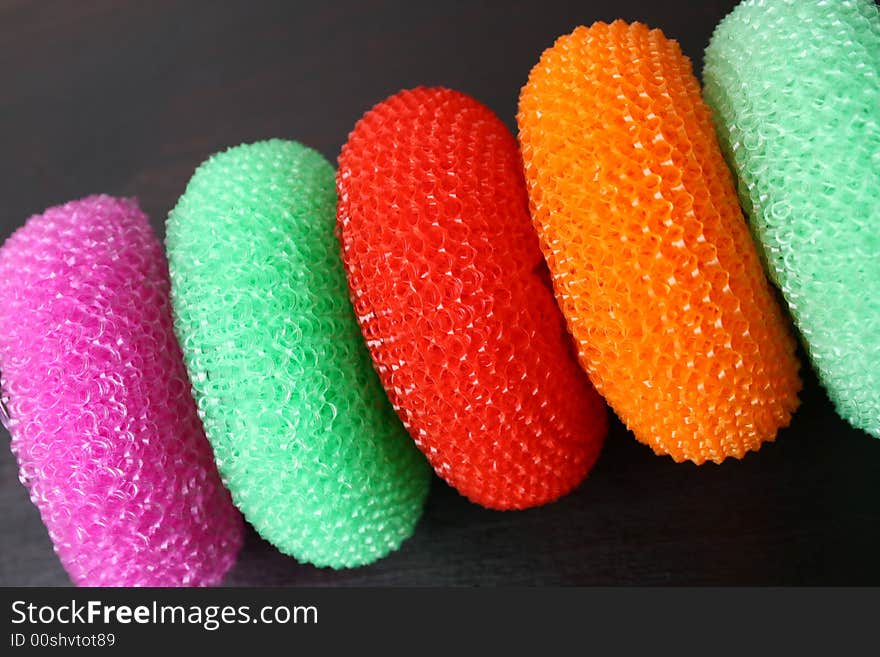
point(452, 296)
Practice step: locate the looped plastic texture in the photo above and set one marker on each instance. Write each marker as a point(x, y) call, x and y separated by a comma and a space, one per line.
point(651, 260)
point(303, 433)
point(103, 425)
point(794, 86)
point(451, 293)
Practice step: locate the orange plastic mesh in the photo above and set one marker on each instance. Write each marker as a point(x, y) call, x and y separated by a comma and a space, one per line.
point(453, 298)
point(652, 261)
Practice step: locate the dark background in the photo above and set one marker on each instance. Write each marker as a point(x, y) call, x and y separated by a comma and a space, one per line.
point(128, 98)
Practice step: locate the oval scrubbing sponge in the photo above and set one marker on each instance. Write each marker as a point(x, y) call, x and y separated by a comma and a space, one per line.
point(652, 262)
point(102, 421)
point(450, 290)
point(303, 433)
point(795, 91)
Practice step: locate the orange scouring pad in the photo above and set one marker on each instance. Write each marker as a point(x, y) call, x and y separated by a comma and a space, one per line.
point(652, 261)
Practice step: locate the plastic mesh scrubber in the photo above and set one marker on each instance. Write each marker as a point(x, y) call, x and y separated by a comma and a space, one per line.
point(450, 289)
point(303, 433)
point(105, 430)
point(795, 91)
point(651, 260)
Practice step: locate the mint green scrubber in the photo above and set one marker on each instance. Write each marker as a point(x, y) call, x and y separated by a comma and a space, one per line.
point(303, 435)
point(794, 86)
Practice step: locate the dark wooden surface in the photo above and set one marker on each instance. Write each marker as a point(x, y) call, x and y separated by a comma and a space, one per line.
point(128, 98)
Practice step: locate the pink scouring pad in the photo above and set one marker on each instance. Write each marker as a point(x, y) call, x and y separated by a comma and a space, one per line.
point(103, 423)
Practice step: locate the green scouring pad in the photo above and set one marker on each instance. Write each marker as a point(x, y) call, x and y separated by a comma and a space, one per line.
point(795, 90)
point(303, 435)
